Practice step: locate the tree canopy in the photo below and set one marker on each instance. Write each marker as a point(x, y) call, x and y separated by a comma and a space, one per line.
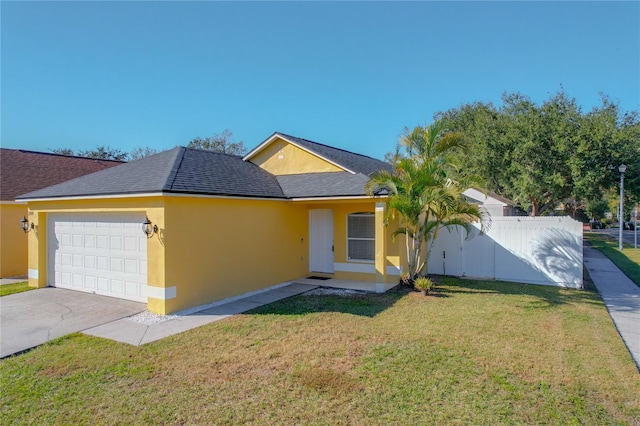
point(549, 155)
point(219, 142)
point(101, 152)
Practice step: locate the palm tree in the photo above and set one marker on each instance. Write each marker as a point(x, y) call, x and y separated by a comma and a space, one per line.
point(423, 193)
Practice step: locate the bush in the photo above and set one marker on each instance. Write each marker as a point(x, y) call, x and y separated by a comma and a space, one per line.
point(423, 284)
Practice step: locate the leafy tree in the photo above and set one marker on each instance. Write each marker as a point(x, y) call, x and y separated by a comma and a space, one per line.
point(222, 142)
point(140, 152)
point(422, 192)
point(63, 151)
point(105, 153)
point(101, 152)
point(596, 209)
point(544, 156)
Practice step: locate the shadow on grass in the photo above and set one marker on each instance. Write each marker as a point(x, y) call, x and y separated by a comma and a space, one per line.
point(371, 304)
point(547, 296)
point(362, 304)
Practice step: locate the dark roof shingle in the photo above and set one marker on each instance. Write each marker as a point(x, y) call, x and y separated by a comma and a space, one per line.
point(194, 171)
point(308, 185)
point(25, 171)
point(179, 170)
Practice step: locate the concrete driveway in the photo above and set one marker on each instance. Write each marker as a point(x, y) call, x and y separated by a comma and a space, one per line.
point(31, 318)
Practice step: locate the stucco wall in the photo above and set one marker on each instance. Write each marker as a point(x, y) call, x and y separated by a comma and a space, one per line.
point(219, 248)
point(282, 158)
point(209, 249)
point(13, 242)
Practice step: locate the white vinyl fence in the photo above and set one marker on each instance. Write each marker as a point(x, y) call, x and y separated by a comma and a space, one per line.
point(535, 250)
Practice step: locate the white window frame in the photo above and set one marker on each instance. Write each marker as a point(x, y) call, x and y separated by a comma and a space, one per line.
point(373, 240)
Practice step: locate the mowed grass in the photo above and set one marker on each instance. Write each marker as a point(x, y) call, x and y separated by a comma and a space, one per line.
point(628, 260)
point(473, 353)
point(7, 289)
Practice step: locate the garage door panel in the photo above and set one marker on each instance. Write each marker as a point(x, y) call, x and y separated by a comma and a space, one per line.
point(65, 279)
point(130, 288)
point(104, 254)
point(115, 243)
point(116, 286)
point(89, 282)
point(64, 240)
point(131, 243)
point(77, 280)
point(90, 241)
point(65, 258)
point(102, 241)
point(130, 266)
point(90, 262)
point(103, 284)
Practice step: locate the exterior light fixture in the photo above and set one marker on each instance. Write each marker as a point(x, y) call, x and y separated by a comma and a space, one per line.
point(621, 169)
point(148, 229)
point(25, 225)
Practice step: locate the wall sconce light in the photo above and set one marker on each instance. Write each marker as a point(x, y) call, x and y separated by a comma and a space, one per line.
point(148, 229)
point(24, 224)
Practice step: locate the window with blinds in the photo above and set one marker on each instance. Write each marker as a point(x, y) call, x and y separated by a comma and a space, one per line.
point(361, 241)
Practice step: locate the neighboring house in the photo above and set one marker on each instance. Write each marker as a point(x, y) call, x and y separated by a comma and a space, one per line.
point(25, 171)
point(493, 204)
point(220, 225)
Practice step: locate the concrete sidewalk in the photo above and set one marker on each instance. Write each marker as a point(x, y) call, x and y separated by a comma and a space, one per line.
point(126, 331)
point(620, 295)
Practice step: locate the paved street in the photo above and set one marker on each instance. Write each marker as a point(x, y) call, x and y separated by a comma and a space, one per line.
point(627, 236)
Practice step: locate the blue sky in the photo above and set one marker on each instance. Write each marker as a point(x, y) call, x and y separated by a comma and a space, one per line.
point(347, 74)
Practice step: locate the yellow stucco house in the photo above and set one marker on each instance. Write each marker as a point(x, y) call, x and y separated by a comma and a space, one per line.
point(23, 171)
point(218, 226)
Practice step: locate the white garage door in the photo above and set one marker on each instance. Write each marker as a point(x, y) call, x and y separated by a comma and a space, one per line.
point(102, 254)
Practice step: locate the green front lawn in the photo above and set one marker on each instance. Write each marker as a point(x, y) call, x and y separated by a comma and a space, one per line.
point(628, 260)
point(473, 353)
point(7, 289)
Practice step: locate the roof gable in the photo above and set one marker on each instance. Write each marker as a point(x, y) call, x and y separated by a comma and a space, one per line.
point(340, 159)
point(280, 156)
point(24, 171)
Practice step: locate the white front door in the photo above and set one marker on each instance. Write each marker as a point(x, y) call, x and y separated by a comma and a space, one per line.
point(321, 240)
point(98, 253)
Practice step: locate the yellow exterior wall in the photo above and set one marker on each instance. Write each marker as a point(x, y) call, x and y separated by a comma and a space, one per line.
point(13, 242)
point(208, 249)
point(282, 158)
point(220, 248)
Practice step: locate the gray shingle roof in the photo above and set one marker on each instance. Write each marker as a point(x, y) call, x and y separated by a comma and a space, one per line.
point(193, 171)
point(205, 172)
point(338, 184)
point(179, 170)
